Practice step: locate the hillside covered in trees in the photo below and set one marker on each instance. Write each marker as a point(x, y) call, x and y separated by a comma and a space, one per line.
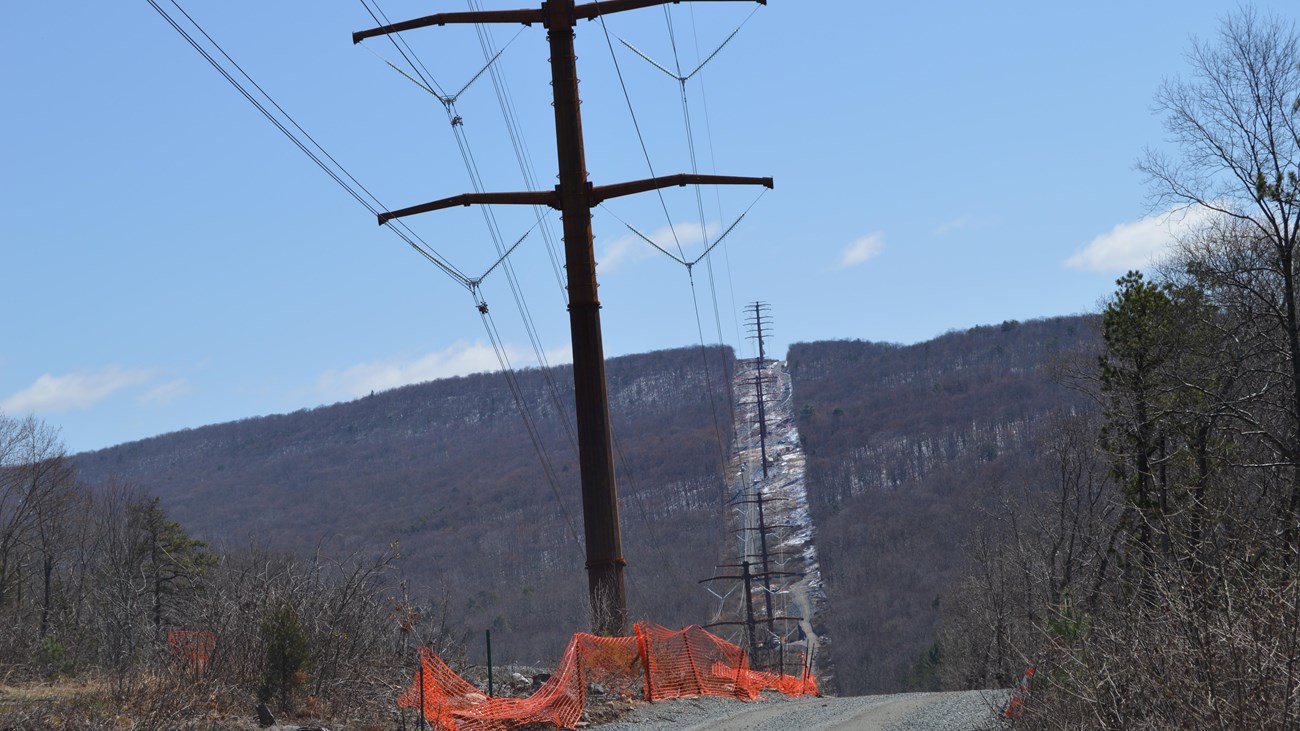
point(903, 444)
point(906, 446)
point(447, 471)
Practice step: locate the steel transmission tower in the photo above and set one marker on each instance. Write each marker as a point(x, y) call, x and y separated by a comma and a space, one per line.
point(574, 197)
point(756, 320)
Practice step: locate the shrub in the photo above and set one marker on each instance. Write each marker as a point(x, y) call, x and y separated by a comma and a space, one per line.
point(288, 655)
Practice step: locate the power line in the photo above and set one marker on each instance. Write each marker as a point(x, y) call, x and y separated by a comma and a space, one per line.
point(688, 264)
point(402, 47)
point(337, 173)
point(519, 142)
point(690, 133)
point(521, 404)
point(640, 138)
point(470, 162)
point(519, 145)
point(448, 102)
point(699, 202)
point(717, 194)
point(341, 176)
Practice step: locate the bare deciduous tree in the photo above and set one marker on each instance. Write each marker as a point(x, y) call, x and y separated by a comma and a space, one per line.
point(36, 484)
point(1237, 127)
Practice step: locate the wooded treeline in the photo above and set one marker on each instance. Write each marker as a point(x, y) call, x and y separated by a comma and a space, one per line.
point(448, 471)
point(101, 587)
point(1157, 584)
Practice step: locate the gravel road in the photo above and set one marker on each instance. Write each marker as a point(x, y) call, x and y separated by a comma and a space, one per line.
point(965, 711)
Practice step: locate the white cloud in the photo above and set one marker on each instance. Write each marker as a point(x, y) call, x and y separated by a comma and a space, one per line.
point(52, 394)
point(862, 249)
point(630, 248)
point(1138, 244)
point(560, 356)
point(166, 393)
point(462, 358)
point(953, 226)
point(622, 250)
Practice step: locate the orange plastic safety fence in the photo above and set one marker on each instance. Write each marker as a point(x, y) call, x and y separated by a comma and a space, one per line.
point(193, 647)
point(693, 662)
point(656, 663)
point(440, 690)
point(803, 684)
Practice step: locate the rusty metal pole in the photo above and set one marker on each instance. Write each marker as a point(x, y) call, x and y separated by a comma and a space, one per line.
point(574, 197)
point(422, 716)
point(595, 444)
point(749, 612)
point(767, 569)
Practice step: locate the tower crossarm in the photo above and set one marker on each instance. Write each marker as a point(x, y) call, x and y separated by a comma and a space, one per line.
point(595, 194)
point(526, 16)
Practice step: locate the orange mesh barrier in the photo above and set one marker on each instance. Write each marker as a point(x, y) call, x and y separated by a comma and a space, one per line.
point(803, 684)
point(444, 692)
point(193, 647)
point(611, 661)
point(657, 663)
point(693, 662)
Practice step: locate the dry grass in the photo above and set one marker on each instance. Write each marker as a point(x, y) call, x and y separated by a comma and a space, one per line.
point(149, 702)
point(52, 692)
point(58, 705)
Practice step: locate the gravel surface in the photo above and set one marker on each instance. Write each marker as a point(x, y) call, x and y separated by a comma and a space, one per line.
point(965, 711)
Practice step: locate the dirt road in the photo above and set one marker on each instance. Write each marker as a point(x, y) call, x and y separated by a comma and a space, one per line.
point(966, 711)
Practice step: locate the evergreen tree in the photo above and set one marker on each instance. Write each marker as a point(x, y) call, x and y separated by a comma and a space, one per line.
point(170, 559)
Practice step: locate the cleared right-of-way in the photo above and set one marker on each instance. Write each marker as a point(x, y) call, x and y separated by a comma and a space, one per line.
point(958, 711)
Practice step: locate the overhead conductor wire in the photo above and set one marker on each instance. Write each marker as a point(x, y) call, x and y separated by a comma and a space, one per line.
point(489, 324)
point(681, 78)
point(337, 172)
point(713, 160)
point(681, 256)
point(471, 166)
point(476, 180)
point(524, 159)
point(708, 262)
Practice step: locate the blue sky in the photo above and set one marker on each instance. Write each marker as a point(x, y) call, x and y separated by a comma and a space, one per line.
point(171, 260)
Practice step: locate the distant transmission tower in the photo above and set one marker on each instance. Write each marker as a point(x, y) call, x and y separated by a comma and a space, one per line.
point(758, 319)
point(759, 323)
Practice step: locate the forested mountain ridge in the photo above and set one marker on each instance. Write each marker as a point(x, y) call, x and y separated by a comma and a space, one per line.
point(903, 443)
point(880, 415)
point(448, 469)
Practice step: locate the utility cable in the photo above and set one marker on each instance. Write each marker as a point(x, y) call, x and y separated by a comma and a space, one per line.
point(471, 166)
point(338, 176)
point(519, 142)
point(637, 126)
point(690, 140)
point(523, 158)
point(448, 102)
point(420, 82)
point(708, 384)
point(337, 172)
point(402, 46)
point(688, 264)
point(690, 135)
point(534, 433)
